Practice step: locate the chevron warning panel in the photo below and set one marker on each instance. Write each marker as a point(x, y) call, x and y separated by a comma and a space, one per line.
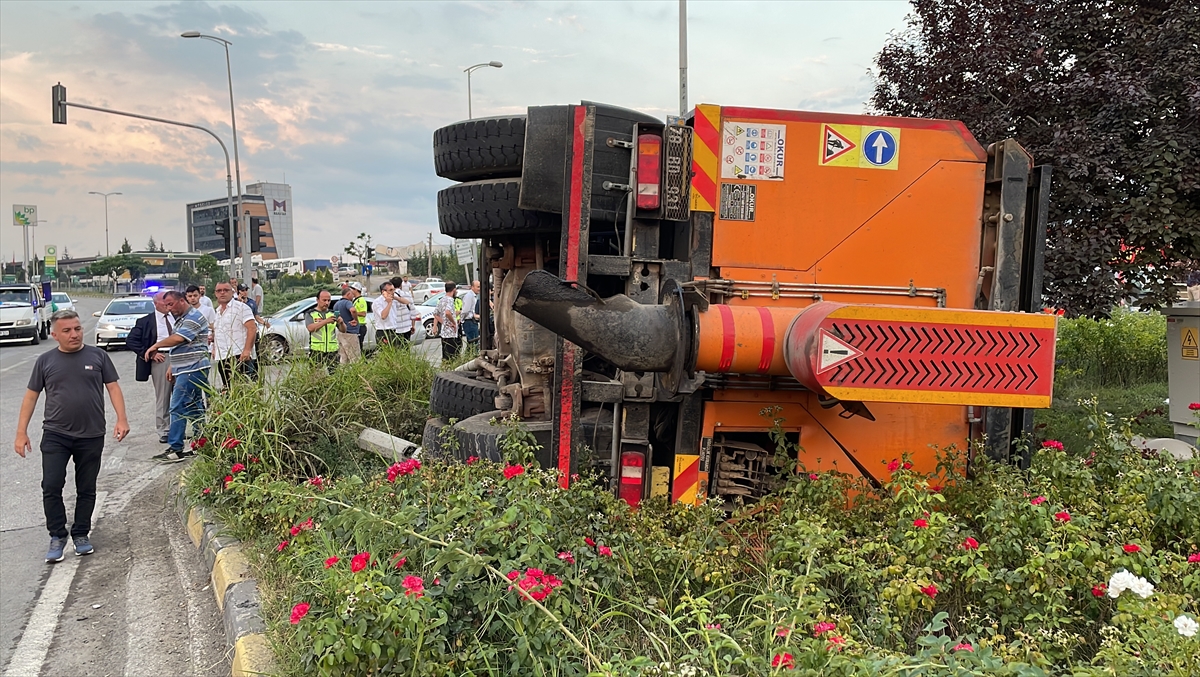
point(930, 355)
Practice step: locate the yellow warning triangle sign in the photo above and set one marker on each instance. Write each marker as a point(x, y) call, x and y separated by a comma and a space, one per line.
point(1190, 340)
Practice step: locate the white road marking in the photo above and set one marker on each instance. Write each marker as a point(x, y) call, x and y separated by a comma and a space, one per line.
point(30, 655)
point(14, 366)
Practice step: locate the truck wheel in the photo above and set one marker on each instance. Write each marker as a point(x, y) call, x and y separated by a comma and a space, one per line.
point(489, 209)
point(37, 338)
point(483, 148)
point(44, 332)
point(457, 394)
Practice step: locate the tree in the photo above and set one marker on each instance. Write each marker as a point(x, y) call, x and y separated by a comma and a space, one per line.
point(207, 266)
point(1107, 93)
point(363, 251)
point(125, 248)
point(151, 245)
point(113, 266)
point(445, 266)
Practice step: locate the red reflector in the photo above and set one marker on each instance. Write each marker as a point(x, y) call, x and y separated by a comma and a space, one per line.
point(649, 172)
point(632, 477)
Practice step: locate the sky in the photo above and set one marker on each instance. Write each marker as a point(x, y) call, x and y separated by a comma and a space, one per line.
point(340, 100)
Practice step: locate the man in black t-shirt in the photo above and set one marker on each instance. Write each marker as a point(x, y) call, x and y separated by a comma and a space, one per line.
point(74, 377)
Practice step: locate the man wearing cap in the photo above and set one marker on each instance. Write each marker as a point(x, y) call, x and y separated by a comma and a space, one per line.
point(348, 325)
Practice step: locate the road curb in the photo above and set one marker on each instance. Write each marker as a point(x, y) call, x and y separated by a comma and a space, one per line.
point(234, 588)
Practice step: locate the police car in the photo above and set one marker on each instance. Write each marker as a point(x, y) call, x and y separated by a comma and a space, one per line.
point(118, 318)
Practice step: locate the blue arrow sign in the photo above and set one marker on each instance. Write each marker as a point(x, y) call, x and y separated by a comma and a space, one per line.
point(879, 148)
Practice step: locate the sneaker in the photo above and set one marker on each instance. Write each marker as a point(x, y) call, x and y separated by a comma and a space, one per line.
point(57, 545)
point(83, 546)
point(162, 439)
point(171, 456)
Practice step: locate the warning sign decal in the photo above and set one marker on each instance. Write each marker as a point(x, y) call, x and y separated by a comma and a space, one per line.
point(835, 351)
point(838, 143)
point(752, 151)
point(1190, 343)
point(863, 146)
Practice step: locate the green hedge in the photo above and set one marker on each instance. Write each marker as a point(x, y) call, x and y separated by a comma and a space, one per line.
point(1128, 349)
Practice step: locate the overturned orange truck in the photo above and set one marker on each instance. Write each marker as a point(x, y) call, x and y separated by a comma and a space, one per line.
point(662, 291)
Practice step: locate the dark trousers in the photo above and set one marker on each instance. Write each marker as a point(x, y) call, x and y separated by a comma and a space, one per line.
point(328, 360)
point(362, 336)
point(234, 365)
point(450, 347)
point(57, 450)
point(470, 330)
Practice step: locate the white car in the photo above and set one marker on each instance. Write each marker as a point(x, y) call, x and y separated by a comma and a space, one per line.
point(287, 331)
point(23, 315)
point(118, 318)
point(421, 292)
point(62, 301)
point(426, 309)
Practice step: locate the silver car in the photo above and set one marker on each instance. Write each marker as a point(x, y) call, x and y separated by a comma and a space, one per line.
point(118, 318)
point(287, 331)
point(62, 301)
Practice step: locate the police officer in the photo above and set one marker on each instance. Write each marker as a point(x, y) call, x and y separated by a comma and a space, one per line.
point(322, 333)
point(360, 311)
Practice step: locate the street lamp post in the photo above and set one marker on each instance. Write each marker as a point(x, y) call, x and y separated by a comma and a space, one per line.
point(468, 71)
point(243, 223)
point(105, 196)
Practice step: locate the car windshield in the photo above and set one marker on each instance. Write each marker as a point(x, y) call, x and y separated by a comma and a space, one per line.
point(14, 296)
point(293, 309)
point(433, 300)
point(59, 297)
point(130, 307)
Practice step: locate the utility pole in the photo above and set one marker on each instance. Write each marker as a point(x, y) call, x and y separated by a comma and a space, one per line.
point(429, 257)
point(683, 95)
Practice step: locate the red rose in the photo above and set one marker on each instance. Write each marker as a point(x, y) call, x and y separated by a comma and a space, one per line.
point(237, 468)
point(920, 524)
point(1194, 557)
point(360, 561)
point(472, 459)
point(331, 561)
point(511, 471)
point(936, 488)
point(230, 443)
point(822, 628)
point(1099, 590)
point(1063, 516)
point(296, 531)
point(317, 482)
point(514, 575)
point(964, 646)
point(604, 551)
point(970, 544)
point(813, 476)
point(1038, 501)
point(1131, 548)
point(589, 541)
point(567, 556)
point(414, 585)
point(837, 640)
point(1052, 444)
point(783, 660)
point(228, 480)
point(207, 491)
point(299, 611)
point(930, 590)
point(907, 465)
point(1194, 406)
point(281, 546)
point(782, 631)
point(894, 465)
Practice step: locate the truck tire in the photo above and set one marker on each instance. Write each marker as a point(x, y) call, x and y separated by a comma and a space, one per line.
point(476, 436)
point(489, 209)
point(483, 148)
point(458, 394)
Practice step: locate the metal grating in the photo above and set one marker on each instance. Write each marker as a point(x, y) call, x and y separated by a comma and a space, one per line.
point(677, 163)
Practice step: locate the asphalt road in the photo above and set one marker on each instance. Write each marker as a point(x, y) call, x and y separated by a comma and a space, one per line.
point(141, 604)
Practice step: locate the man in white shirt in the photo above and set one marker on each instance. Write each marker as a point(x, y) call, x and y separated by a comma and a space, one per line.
point(256, 292)
point(204, 300)
point(470, 321)
point(233, 335)
point(391, 316)
point(196, 299)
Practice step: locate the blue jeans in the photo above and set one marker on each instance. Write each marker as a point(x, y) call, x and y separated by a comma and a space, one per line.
point(471, 330)
point(187, 404)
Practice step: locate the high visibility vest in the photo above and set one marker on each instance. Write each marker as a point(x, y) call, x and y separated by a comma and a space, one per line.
point(360, 306)
point(457, 308)
point(323, 340)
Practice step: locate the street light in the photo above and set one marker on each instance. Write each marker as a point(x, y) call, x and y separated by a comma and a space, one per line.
point(105, 196)
point(243, 224)
point(468, 71)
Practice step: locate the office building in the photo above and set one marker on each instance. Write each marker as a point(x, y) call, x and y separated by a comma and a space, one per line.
point(269, 201)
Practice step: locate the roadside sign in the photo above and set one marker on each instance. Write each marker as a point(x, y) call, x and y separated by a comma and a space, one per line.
point(333, 260)
point(50, 262)
point(465, 250)
point(25, 215)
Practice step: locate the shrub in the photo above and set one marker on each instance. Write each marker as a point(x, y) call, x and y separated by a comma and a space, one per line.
point(472, 569)
point(1127, 349)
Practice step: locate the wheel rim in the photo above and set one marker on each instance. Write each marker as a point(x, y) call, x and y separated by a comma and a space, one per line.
point(276, 349)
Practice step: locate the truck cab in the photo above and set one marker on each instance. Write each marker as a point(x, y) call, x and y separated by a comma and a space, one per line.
point(24, 314)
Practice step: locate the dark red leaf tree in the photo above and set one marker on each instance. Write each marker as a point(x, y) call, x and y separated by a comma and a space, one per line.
point(1108, 93)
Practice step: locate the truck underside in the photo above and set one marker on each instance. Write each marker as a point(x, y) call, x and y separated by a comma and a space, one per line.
point(666, 295)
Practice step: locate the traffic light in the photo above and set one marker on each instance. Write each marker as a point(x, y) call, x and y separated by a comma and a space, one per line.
point(58, 104)
point(257, 237)
point(225, 232)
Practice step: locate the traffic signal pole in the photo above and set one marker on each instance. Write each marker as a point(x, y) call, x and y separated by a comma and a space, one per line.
point(58, 110)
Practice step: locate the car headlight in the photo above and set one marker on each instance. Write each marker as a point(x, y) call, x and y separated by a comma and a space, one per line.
point(22, 323)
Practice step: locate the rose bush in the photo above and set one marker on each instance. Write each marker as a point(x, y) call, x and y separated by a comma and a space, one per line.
point(470, 569)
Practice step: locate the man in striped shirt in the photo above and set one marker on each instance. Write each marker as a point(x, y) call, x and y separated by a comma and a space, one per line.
point(189, 369)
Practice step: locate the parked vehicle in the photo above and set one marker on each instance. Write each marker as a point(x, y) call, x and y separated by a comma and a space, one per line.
point(118, 318)
point(24, 315)
point(287, 333)
point(62, 301)
point(426, 309)
point(421, 292)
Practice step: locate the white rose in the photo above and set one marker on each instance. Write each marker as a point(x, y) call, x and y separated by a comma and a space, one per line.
point(1186, 626)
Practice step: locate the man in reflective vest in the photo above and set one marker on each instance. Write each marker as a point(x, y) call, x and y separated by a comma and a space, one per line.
point(322, 333)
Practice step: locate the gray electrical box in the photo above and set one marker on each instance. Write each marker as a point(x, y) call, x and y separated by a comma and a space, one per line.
point(1183, 367)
